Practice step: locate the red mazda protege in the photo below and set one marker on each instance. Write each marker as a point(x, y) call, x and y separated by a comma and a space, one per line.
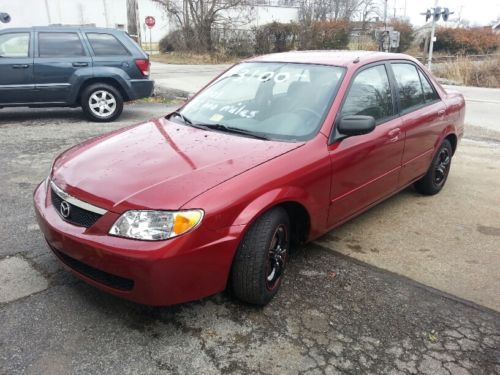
point(277, 150)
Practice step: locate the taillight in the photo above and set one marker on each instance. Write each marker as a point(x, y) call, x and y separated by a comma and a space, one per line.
point(143, 66)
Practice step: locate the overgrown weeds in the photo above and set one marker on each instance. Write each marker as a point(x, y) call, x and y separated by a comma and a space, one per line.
point(465, 71)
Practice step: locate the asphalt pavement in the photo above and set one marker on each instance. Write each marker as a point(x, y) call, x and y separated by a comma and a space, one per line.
point(340, 309)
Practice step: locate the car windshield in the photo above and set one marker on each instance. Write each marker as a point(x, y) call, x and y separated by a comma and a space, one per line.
point(281, 101)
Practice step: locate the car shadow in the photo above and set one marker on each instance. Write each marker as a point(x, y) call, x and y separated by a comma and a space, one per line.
point(36, 116)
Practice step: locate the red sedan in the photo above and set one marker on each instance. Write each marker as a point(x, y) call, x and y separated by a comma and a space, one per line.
point(277, 150)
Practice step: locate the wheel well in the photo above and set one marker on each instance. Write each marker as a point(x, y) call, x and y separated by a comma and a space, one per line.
point(453, 140)
point(300, 221)
point(108, 81)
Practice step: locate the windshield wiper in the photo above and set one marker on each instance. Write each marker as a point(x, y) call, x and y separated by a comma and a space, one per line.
point(230, 129)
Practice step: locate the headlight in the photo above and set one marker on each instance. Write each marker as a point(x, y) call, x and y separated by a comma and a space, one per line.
point(155, 225)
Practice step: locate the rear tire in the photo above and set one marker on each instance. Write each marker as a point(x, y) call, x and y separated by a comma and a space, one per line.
point(436, 176)
point(261, 258)
point(101, 102)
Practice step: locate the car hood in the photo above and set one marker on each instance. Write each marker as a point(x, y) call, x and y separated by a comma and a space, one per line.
point(157, 165)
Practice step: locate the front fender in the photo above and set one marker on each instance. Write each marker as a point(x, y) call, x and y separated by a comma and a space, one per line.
point(270, 199)
point(243, 215)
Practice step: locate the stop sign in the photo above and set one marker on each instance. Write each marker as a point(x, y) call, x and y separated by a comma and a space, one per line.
point(150, 21)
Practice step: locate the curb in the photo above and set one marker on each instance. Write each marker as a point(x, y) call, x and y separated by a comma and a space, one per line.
point(170, 93)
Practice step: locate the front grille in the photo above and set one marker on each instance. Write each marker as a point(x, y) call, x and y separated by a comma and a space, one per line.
point(77, 215)
point(108, 279)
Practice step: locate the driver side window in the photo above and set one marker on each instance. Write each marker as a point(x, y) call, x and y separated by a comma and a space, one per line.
point(369, 95)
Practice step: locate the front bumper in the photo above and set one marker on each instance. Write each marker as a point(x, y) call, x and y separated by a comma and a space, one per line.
point(158, 273)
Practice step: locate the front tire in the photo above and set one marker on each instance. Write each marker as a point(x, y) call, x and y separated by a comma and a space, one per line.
point(101, 102)
point(261, 258)
point(436, 176)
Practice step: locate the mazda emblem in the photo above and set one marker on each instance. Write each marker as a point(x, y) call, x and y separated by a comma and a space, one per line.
point(64, 209)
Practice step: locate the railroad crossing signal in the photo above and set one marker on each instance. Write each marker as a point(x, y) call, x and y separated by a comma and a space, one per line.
point(435, 14)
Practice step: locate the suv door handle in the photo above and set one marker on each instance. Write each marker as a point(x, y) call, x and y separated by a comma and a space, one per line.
point(20, 66)
point(80, 64)
point(441, 112)
point(394, 134)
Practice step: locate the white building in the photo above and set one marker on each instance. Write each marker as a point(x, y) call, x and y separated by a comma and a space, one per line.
point(113, 13)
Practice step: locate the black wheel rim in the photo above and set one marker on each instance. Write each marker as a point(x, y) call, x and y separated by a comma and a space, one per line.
point(277, 257)
point(442, 166)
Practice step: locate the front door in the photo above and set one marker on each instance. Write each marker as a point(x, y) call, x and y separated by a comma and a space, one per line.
point(365, 168)
point(16, 68)
point(61, 57)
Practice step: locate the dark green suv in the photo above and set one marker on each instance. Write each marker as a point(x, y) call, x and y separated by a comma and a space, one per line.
point(95, 68)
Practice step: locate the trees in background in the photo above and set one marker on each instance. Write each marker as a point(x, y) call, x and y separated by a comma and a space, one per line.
point(197, 19)
point(209, 26)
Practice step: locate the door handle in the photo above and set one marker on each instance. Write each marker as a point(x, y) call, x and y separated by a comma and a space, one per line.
point(80, 64)
point(20, 66)
point(441, 112)
point(394, 134)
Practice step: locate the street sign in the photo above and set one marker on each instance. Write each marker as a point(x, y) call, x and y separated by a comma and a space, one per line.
point(150, 21)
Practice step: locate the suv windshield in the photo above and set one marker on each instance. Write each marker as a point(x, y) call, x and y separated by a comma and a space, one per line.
point(283, 101)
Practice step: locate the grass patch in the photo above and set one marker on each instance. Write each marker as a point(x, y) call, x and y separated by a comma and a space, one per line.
point(467, 72)
point(185, 58)
point(158, 100)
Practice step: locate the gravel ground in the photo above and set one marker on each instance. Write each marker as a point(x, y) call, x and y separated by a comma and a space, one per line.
point(333, 314)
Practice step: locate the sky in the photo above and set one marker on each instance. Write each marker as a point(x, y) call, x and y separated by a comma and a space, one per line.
point(478, 12)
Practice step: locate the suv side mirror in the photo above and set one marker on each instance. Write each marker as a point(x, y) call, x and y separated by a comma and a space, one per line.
point(4, 17)
point(356, 125)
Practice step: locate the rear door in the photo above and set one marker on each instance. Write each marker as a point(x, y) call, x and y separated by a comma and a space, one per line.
point(423, 114)
point(366, 168)
point(61, 58)
point(16, 68)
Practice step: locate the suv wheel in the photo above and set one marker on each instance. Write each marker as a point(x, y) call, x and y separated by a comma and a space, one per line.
point(102, 102)
point(261, 258)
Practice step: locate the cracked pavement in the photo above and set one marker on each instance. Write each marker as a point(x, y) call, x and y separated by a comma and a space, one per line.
point(332, 315)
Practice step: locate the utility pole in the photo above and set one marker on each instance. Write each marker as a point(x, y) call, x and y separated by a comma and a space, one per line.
point(133, 20)
point(47, 9)
point(386, 41)
point(105, 8)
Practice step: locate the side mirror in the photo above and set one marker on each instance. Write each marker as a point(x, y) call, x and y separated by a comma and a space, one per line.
point(4, 17)
point(356, 125)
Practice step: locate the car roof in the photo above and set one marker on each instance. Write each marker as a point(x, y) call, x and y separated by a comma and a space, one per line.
point(63, 28)
point(331, 57)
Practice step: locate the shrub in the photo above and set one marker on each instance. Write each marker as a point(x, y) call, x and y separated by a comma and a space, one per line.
point(276, 37)
point(328, 35)
point(178, 40)
point(466, 41)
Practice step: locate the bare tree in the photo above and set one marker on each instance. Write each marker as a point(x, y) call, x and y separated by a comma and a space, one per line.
point(330, 10)
point(198, 18)
point(369, 9)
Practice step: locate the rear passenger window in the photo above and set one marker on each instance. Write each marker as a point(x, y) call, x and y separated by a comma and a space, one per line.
point(106, 45)
point(60, 45)
point(369, 95)
point(409, 86)
point(429, 93)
